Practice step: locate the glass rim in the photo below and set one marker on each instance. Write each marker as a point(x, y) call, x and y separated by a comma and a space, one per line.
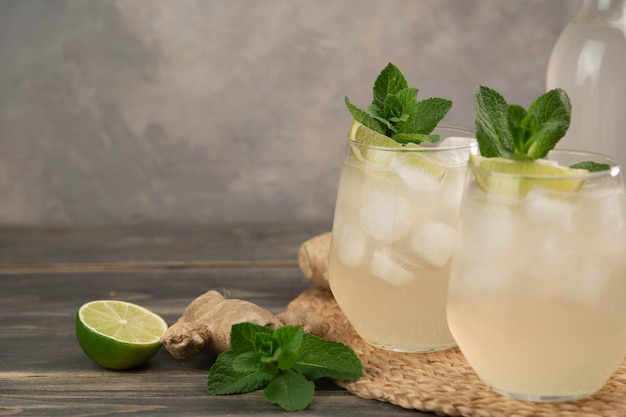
point(427, 146)
point(614, 170)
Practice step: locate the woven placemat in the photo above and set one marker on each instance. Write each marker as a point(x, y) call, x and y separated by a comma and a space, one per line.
point(443, 382)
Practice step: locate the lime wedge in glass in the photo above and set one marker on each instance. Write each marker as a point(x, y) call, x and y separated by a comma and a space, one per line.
point(117, 334)
point(366, 136)
point(515, 179)
point(378, 151)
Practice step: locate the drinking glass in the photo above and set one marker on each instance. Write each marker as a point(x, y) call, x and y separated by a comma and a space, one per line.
point(537, 295)
point(393, 236)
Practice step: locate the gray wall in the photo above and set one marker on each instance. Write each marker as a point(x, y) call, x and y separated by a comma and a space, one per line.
point(220, 110)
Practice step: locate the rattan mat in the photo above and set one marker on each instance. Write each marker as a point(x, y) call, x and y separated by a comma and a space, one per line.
point(442, 382)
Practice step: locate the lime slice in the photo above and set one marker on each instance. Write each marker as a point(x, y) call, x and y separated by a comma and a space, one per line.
point(524, 176)
point(117, 334)
point(427, 162)
point(364, 135)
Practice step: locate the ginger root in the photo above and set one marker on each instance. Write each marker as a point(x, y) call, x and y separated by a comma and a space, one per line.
point(205, 324)
point(313, 260)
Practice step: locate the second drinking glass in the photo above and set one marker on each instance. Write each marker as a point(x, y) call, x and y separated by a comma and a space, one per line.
point(393, 235)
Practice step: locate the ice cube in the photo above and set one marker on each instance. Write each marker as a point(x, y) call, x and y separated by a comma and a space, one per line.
point(550, 209)
point(606, 213)
point(479, 276)
point(434, 242)
point(450, 196)
point(419, 173)
point(494, 227)
point(351, 243)
point(587, 278)
point(385, 215)
point(547, 258)
point(391, 268)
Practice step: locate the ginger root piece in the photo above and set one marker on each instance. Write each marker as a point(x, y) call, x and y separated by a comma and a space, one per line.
point(313, 260)
point(205, 324)
point(310, 322)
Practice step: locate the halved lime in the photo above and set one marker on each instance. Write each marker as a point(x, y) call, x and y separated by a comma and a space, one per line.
point(117, 334)
point(515, 179)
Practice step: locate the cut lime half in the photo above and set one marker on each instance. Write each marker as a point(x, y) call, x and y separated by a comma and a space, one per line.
point(515, 179)
point(117, 334)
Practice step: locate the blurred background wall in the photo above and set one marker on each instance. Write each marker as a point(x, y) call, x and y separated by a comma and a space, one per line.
point(118, 111)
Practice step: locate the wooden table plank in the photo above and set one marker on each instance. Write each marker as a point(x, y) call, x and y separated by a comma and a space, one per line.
point(153, 245)
point(44, 372)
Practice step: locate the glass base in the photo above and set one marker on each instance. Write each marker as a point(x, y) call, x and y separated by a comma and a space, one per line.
point(412, 349)
point(541, 398)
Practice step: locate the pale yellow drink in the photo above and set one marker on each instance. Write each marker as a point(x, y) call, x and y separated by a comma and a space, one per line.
point(393, 235)
point(537, 297)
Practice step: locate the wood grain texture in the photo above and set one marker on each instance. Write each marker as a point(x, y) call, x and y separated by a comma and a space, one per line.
point(153, 245)
point(44, 372)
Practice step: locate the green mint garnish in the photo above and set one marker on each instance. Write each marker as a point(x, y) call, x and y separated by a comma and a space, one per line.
point(591, 166)
point(284, 362)
point(395, 111)
point(512, 132)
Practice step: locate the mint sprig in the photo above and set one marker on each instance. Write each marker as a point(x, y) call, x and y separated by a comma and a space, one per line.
point(284, 362)
point(395, 111)
point(512, 132)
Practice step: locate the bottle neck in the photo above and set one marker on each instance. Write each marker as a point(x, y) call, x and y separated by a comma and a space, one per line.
point(602, 12)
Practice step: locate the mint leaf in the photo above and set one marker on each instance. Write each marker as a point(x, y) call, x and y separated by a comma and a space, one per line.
point(548, 119)
point(389, 82)
point(520, 134)
point(415, 138)
point(290, 390)
point(509, 131)
point(283, 361)
point(320, 358)
point(395, 111)
point(243, 336)
point(223, 379)
point(249, 362)
point(591, 166)
point(364, 118)
point(408, 100)
point(427, 116)
point(493, 132)
point(289, 339)
point(246, 362)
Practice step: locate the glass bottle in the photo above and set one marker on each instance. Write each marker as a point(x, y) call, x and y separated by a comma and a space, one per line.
point(589, 62)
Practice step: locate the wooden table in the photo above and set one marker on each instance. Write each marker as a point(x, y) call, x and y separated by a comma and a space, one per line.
point(46, 273)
